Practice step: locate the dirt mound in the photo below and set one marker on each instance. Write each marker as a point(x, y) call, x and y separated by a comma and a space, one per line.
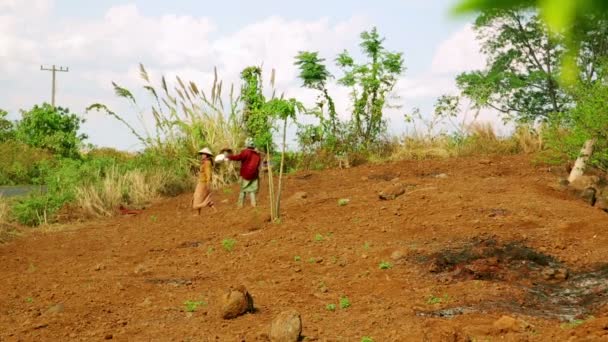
point(498, 234)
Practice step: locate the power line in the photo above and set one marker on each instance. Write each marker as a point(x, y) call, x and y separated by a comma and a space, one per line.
point(54, 69)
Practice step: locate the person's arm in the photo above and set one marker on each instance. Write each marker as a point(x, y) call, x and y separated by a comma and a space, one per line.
point(238, 157)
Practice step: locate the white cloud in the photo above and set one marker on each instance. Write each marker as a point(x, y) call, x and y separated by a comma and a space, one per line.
point(460, 52)
point(108, 48)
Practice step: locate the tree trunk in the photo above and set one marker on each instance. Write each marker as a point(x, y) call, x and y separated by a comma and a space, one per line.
point(278, 200)
point(581, 161)
point(270, 187)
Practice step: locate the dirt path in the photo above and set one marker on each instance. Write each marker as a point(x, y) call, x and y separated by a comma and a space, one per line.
point(127, 278)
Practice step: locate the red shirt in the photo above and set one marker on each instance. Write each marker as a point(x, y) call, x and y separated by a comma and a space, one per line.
point(250, 163)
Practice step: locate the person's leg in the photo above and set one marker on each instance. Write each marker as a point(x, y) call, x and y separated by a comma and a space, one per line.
point(253, 201)
point(241, 199)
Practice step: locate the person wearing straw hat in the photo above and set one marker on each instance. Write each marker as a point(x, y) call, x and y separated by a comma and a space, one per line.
point(202, 194)
point(250, 164)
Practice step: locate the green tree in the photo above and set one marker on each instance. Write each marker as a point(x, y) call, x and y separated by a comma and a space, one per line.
point(314, 75)
point(51, 128)
point(258, 122)
point(371, 83)
point(7, 129)
point(284, 110)
point(587, 121)
point(563, 17)
point(521, 80)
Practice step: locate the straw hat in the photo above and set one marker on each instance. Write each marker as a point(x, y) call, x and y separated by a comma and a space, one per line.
point(206, 151)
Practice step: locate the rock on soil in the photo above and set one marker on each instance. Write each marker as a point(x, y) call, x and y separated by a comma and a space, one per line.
point(257, 222)
point(286, 327)
point(583, 182)
point(588, 195)
point(392, 191)
point(506, 324)
point(602, 200)
point(236, 302)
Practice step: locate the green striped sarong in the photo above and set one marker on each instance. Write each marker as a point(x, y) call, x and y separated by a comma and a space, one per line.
point(249, 185)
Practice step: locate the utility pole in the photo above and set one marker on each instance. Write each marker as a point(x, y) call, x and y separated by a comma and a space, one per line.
point(54, 70)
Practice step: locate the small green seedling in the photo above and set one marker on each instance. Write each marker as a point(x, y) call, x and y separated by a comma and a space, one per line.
point(330, 307)
point(192, 306)
point(319, 237)
point(312, 260)
point(385, 265)
point(210, 251)
point(437, 300)
point(228, 244)
point(366, 246)
point(153, 218)
point(343, 201)
point(297, 258)
point(367, 339)
point(344, 302)
point(227, 190)
point(29, 300)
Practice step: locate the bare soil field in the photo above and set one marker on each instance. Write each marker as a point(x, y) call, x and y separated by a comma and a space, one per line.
point(474, 250)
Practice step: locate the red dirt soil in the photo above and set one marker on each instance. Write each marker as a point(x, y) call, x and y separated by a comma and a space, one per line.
point(127, 278)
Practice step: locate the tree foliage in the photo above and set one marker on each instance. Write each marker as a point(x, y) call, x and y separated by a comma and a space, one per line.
point(587, 120)
point(522, 79)
point(258, 122)
point(371, 83)
point(314, 75)
point(7, 129)
point(563, 17)
point(51, 128)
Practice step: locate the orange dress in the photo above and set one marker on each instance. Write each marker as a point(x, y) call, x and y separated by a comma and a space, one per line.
point(202, 194)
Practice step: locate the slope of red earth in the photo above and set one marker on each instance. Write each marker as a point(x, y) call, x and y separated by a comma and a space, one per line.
point(127, 278)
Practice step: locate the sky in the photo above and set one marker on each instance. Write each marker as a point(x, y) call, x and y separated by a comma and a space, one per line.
point(104, 41)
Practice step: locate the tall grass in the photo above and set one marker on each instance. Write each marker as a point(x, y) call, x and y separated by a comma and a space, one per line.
point(133, 188)
point(4, 210)
point(186, 119)
point(476, 139)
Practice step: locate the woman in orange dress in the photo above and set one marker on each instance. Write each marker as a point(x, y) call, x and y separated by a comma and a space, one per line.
point(202, 194)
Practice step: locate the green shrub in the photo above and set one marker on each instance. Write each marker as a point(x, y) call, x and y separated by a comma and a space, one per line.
point(37, 209)
point(20, 163)
point(51, 128)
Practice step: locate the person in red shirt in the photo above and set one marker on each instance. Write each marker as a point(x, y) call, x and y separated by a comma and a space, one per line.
point(250, 165)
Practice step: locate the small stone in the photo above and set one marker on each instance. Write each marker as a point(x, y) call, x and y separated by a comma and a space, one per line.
point(584, 182)
point(588, 195)
point(286, 327)
point(548, 273)
point(561, 274)
point(55, 309)
point(507, 324)
point(364, 178)
point(99, 267)
point(109, 337)
point(441, 176)
point(236, 302)
point(391, 192)
point(146, 302)
point(398, 255)
point(299, 195)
